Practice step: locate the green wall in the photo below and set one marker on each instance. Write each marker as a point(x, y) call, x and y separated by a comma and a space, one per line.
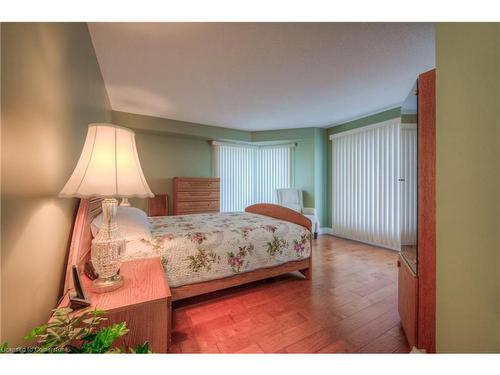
point(365, 121)
point(359, 123)
point(320, 174)
point(162, 159)
point(51, 90)
point(468, 187)
point(157, 125)
point(169, 148)
point(303, 164)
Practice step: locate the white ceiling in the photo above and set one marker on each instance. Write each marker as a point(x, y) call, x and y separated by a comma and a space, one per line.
point(260, 76)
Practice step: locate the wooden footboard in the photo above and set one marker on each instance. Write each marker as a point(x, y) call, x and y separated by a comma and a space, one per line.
point(280, 213)
point(196, 289)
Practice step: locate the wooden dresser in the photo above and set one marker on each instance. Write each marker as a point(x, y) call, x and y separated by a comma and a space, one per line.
point(193, 195)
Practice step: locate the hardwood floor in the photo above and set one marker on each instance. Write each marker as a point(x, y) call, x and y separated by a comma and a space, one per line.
point(349, 306)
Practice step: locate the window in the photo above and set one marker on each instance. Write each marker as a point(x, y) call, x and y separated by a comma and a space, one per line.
point(250, 174)
point(373, 180)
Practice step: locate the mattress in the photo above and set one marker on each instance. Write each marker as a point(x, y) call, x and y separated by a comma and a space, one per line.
point(203, 247)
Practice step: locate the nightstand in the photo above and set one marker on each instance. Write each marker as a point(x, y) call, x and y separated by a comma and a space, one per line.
point(144, 303)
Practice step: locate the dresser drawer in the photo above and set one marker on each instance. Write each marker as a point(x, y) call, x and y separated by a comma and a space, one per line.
point(190, 196)
point(198, 206)
point(194, 185)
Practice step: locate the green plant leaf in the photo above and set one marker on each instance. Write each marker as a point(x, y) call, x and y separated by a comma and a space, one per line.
point(88, 337)
point(105, 338)
point(98, 312)
point(142, 349)
point(37, 331)
point(75, 332)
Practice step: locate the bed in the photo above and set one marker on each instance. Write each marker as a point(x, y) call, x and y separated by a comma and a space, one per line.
point(207, 252)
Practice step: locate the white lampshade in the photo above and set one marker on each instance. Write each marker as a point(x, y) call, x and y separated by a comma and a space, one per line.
point(108, 166)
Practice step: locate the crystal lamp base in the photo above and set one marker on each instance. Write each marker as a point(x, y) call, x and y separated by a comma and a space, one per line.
point(107, 250)
point(109, 284)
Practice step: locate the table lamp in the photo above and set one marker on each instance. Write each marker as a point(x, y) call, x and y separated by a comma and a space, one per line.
point(109, 168)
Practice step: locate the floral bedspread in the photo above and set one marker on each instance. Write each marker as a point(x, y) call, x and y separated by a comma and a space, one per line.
point(202, 247)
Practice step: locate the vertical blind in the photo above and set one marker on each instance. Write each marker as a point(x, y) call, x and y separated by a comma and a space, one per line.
point(365, 186)
point(250, 174)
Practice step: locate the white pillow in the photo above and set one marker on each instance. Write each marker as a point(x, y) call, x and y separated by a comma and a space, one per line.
point(133, 224)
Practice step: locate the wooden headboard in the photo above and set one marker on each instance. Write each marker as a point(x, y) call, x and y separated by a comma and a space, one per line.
point(81, 240)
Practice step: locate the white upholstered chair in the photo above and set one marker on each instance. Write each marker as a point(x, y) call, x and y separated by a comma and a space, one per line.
point(292, 198)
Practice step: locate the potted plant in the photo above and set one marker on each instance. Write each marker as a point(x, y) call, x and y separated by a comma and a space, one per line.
point(78, 333)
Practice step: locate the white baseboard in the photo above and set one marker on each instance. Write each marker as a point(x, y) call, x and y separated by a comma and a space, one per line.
point(326, 230)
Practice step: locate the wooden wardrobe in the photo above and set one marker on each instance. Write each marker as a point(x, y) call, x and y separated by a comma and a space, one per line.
point(194, 195)
point(417, 288)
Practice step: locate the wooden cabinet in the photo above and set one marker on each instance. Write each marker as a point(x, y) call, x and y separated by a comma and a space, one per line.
point(408, 300)
point(417, 292)
point(158, 205)
point(144, 303)
point(427, 211)
point(194, 195)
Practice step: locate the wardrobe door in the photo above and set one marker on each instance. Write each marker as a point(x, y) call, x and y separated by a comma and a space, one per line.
point(407, 300)
point(427, 211)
